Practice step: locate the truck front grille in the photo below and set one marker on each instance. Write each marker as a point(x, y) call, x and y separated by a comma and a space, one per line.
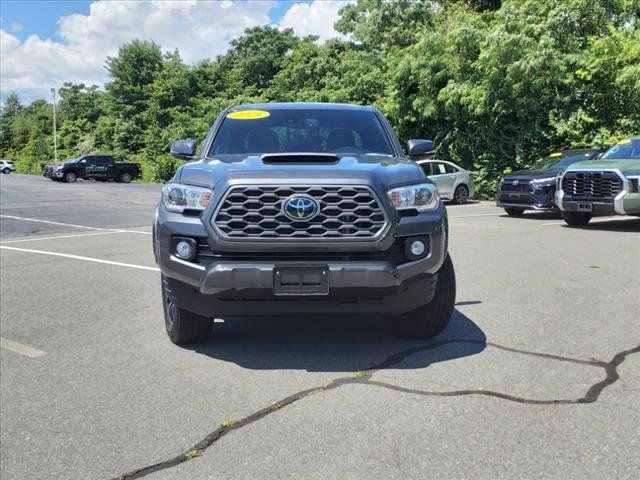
point(591, 185)
point(255, 212)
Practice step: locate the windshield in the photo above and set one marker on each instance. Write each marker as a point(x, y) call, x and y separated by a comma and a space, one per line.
point(256, 132)
point(75, 160)
point(625, 149)
point(561, 160)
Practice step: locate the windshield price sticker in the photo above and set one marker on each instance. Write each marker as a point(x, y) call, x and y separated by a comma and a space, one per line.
point(248, 114)
point(624, 141)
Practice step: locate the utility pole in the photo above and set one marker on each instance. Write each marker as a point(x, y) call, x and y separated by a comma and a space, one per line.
point(55, 131)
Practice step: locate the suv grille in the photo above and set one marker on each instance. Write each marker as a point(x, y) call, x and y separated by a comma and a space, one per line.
point(520, 186)
point(590, 185)
point(255, 212)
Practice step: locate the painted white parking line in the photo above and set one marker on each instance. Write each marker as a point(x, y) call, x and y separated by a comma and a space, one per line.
point(33, 239)
point(38, 220)
point(78, 257)
point(596, 220)
point(476, 215)
point(16, 347)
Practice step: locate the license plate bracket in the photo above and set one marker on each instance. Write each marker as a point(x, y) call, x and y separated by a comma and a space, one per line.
point(584, 207)
point(301, 280)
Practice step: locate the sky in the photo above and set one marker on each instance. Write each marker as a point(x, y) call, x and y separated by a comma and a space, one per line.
point(44, 43)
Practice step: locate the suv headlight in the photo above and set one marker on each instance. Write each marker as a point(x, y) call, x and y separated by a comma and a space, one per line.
point(423, 197)
point(543, 182)
point(178, 198)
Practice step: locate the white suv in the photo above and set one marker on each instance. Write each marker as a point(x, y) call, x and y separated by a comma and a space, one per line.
point(7, 166)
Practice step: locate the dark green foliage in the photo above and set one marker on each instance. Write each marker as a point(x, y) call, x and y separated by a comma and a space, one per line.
point(383, 24)
point(495, 84)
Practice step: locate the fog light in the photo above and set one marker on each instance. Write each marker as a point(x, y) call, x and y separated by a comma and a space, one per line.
point(418, 248)
point(185, 249)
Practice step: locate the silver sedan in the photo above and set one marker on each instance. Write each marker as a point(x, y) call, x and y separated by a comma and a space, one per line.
point(454, 183)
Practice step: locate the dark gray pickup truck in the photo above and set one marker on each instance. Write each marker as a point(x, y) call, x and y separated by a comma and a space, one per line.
point(302, 209)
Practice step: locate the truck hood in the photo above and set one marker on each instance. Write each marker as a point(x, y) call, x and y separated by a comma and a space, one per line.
point(622, 165)
point(383, 171)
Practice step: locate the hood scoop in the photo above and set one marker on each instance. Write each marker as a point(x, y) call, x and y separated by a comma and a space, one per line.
point(300, 159)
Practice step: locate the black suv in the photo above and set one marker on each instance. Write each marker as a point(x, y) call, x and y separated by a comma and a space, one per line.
point(302, 209)
point(534, 189)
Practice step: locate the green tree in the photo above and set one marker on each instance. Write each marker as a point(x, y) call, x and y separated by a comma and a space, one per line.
point(79, 102)
point(383, 24)
point(255, 58)
point(8, 113)
point(132, 72)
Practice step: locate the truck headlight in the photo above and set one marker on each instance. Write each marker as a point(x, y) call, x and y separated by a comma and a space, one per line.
point(422, 197)
point(178, 198)
point(634, 179)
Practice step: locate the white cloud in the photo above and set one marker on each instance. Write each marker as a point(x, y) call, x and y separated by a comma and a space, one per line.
point(16, 27)
point(316, 18)
point(198, 29)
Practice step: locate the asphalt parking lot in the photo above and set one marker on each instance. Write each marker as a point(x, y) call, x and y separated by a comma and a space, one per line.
point(537, 376)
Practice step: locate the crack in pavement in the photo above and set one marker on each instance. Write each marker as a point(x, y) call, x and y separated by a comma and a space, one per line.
point(365, 378)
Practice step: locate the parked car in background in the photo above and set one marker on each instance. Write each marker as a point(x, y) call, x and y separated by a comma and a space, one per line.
point(607, 186)
point(7, 166)
point(97, 167)
point(454, 182)
point(534, 188)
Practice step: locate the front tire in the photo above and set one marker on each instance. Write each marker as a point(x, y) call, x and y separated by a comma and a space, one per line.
point(576, 219)
point(461, 195)
point(430, 319)
point(514, 212)
point(70, 177)
point(6, 171)
point(183, 327)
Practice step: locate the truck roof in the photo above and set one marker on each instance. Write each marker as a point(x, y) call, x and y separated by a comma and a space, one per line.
point(300, 106)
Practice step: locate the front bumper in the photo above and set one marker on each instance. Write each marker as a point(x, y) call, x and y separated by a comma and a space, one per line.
point(236, 288)
point(536, 200)
point(55, 174)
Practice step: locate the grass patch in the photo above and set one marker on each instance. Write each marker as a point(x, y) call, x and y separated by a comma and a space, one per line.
point(191, 454)
point(229, 422)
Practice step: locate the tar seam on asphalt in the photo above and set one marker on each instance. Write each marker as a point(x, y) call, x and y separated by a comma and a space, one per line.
point(364, 377)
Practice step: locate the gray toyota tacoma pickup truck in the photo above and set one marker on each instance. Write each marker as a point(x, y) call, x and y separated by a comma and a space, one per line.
point(302, 209)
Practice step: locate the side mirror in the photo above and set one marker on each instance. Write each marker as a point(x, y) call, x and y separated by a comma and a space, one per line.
point(184, 149)
point(419, 147)
point(599, 155)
